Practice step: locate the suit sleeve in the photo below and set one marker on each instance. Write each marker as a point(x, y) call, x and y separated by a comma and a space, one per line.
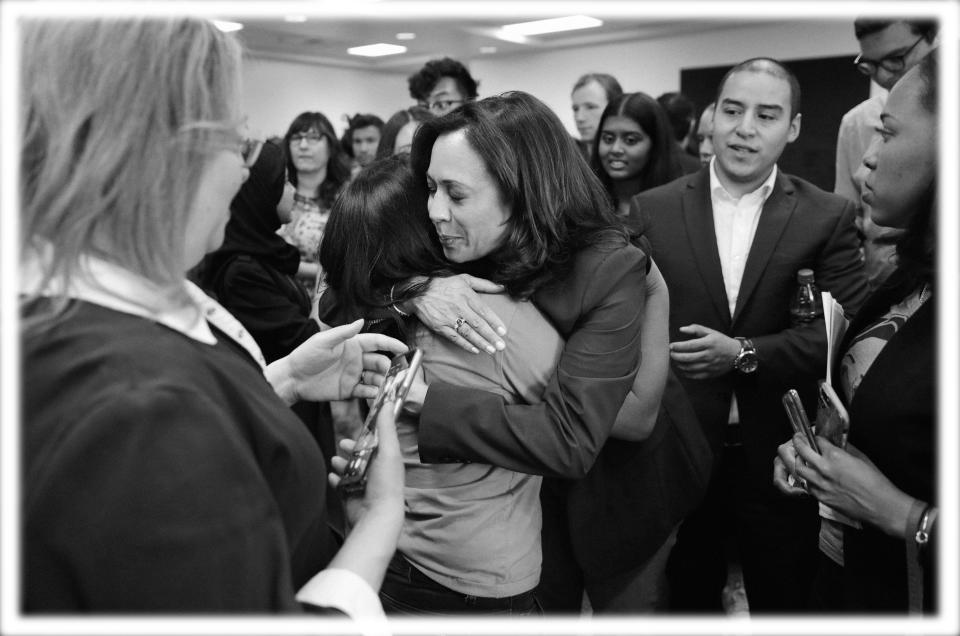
point(561, 435)
point(838, 270)
point(272, 317)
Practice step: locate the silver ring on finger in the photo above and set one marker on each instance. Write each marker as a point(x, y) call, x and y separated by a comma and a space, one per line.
point(460, 323)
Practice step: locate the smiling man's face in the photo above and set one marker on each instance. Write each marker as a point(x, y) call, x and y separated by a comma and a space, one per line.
point(752, 126)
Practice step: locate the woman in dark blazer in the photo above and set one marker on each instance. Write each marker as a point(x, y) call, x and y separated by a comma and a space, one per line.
point(569, 253)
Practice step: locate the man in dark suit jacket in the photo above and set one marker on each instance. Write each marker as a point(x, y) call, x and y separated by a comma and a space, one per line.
point(729, 241)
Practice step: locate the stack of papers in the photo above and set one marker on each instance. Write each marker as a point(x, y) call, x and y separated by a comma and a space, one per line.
point(836, 323)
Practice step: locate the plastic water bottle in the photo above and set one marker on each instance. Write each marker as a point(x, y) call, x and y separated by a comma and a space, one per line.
point(806, 304)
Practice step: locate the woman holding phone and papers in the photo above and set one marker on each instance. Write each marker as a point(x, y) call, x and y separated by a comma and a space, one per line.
point(883, 480)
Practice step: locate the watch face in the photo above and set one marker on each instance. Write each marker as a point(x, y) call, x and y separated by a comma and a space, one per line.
point(747, 362)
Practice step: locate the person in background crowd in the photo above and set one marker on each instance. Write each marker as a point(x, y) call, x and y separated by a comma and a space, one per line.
point(705, 133)
point(399, 130)
point(884, 480)
point(361, 139)
point(442, 85)
point(634, 149)
point(681, 114)
point(317, 168)
point(163, 471)
point(729, 241)
point(590, 95)
point(253, 276)
point(452, 557)
point(888, 49)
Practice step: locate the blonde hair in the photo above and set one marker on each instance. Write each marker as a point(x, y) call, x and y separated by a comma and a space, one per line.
point(118, 119)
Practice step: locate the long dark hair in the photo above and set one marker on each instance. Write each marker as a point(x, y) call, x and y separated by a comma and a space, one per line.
point(663, 162)
point(338, 167)
point(916, 247)
point(379, 234)
point(557, 204)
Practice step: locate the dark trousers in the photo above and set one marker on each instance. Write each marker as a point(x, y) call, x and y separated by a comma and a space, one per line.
point(407, 590)
point(640, 590)
point(774, 536)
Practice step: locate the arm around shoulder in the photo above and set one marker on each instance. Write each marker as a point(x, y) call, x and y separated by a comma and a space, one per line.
point(598, 309)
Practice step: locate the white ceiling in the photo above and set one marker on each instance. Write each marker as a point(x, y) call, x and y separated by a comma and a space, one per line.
point(324, 38)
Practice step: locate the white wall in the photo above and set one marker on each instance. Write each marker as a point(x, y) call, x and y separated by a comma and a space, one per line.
point(275, 92)
point(653, 66)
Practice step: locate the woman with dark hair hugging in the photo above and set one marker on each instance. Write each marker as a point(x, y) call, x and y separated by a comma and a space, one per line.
point(452, 554)
point(510, 200)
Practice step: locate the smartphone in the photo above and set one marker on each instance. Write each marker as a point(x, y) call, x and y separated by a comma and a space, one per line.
point(395, 386)
point(798, 418)
point(832, 419)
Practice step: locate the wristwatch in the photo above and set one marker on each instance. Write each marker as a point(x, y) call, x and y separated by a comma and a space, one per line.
point(746, 361)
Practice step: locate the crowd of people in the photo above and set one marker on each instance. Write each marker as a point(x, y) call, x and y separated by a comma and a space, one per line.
point(605, 324)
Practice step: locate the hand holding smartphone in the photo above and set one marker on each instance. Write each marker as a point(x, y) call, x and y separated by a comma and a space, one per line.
point(798, 418)
point(395, 386)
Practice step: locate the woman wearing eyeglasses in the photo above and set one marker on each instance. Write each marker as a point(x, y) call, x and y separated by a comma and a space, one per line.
point(163, 471)
point(317, 167)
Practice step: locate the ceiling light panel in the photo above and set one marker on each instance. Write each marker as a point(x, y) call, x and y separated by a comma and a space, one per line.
point(553, 25)
point(377, 50)
point(226, 26)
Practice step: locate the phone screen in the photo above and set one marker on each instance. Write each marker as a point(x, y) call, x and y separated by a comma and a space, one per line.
point(832, 419)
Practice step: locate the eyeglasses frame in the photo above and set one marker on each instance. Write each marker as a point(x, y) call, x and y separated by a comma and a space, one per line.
point(869, 67)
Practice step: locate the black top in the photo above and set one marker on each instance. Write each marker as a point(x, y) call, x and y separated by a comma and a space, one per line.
point(893, 422)
point(253, 274)
point(161, 474)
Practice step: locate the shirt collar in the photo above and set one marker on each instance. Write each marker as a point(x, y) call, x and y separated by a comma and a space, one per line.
point(764, 189)
point(119, 289)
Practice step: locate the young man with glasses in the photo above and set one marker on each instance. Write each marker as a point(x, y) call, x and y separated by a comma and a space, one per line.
point(442, 85)
point(888, 49)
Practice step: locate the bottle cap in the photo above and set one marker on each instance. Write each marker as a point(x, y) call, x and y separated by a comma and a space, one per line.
point(805, 275)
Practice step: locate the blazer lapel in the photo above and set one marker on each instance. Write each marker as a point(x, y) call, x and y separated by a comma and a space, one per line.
point(698, 219)
point(773, 219)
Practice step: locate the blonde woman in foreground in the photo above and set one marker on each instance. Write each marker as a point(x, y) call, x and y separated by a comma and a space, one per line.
point(163, 470)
